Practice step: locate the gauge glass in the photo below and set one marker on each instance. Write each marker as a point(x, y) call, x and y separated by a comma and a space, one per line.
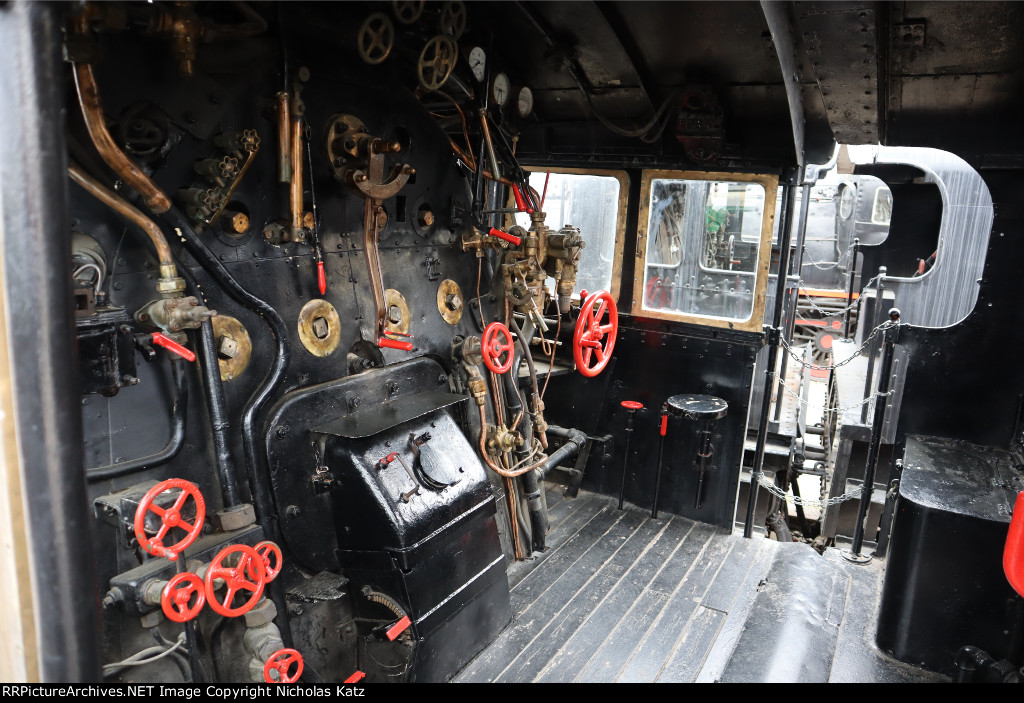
point(477, 62)
point(501, 89)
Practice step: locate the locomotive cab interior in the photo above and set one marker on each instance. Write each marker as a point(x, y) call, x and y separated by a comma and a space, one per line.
point(406, 342)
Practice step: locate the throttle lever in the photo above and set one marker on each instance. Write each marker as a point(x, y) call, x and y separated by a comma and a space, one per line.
point(172, 346)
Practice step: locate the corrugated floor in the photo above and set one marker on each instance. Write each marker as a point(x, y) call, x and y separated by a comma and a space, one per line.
point(621, 597)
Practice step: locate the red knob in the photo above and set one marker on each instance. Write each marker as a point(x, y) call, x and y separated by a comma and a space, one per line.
point(632, 405)
point(172, 346)
point(270, 554)
point(594, 338)
point(510, 238)
point(494, 346)
point(177, 594)
point(394, 344)
point(246, 575)
point(281, 661)
point(521, 201)
point(321, 277)
point(170, 518)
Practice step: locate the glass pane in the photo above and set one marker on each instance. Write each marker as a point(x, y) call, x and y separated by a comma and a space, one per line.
point(881, 212)
point(702, 247)
point(590, 203)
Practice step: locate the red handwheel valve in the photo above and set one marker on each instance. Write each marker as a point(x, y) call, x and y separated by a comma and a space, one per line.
point(270, 554)
point(281, 662)
point(497, 341)
point(176, 596)
point(247, 574)
point(170, 518)
point(594, 338)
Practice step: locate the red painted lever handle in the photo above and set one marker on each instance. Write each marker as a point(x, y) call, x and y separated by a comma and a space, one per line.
point(321, 277)
point(510, 238)
point(358, 676)
point(172, 346)
point(521, 201)
point(394, 344)
point(664, 425)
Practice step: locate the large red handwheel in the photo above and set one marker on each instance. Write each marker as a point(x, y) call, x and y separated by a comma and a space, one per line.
point(280, 661)
point(270, 554)
point(497, 341)
point(170, 518)
point(246, 575)
point(594, 339)
point(177, 594)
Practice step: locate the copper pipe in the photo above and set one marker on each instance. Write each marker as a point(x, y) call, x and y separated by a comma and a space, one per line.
point(296, 169)
point(128, 211)
point(95, 122)
point(371, 234)
point(284, 138)
point(487, 459)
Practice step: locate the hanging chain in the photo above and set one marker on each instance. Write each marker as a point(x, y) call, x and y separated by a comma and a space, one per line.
point(799, 358)
point(840, 411)
point(821, 266)
point(770, 486)
point(835, 313)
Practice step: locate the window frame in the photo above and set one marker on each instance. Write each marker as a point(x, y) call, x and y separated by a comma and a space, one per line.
point(620, 218)
point(754, 323)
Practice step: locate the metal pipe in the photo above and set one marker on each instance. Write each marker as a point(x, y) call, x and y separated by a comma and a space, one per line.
point(179, 418)
point(284, 138)
point(785, 234)
point(482, 445)
point(574, 441)
point(853, 277)
point(796, 267)
point(873, 348)
point(297, 209)
point(889, 346)
point(216, 406)
point(661, 457)
point(625, 458)
point(96, 124)
point(122, 207)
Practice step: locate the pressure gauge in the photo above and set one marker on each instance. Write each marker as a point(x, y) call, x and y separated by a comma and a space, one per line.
point(477, 63)
point(524, 101)
point(501, 89)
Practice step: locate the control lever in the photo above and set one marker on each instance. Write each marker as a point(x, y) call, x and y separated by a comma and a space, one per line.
point(172, 346)
point(391, 457)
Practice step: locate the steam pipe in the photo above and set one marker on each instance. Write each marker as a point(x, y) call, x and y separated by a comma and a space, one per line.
point(216, 405)
point(573, 444)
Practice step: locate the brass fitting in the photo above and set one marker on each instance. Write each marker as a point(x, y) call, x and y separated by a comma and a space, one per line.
point(501, 439)
point(478, 389)
point(170, 285)
point(175, 314)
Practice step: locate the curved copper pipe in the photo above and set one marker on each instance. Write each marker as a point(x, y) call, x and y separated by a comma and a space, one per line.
point(95, 122)
point(491, 465)
point(124, 208)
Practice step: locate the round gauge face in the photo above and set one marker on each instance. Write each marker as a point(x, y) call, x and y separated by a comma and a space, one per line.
point(524, 102)
point(501, 89)
point(477, 62)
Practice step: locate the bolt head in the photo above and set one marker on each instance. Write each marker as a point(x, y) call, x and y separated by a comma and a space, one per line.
point(320, 328)
point(395, 315)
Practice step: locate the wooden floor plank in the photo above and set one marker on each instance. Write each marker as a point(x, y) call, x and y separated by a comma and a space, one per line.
point(566, 664)
point(693, 646)
point(548, 594)
point(649, 654)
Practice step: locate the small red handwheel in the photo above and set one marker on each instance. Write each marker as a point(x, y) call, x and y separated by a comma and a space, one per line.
point(594, 339)
point(246, 575)
point(280, 661)
point(170, 518)
point(497, 341)
point(270, 554)
point(177, 594)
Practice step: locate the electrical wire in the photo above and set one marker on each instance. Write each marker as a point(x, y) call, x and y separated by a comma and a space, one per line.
point(143, 657)
point(99, 276)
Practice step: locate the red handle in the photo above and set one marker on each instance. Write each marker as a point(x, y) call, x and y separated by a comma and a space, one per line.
point(172, 346)
point(246, 575)
point(394, 344)
point(493, 347)
point(389, 458)
point(358, 676)
point(398, 628)
point(321, 277)
point(664, 425)
point(510, 238)
point(594, 339)
point(521, 201)
point(178, 592)
point(170, 518)
point(280, 661)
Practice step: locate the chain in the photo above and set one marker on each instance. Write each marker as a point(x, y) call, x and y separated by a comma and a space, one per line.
point(834, 313)
point(823, 266)
point(770, 486)
point(799, 358)
point(840, 411)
